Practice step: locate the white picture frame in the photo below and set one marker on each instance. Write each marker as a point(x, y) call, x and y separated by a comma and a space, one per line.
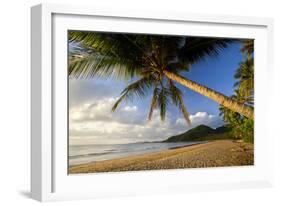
point(49, 179)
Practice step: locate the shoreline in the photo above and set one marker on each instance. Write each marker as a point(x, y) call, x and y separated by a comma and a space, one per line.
point(190, 145)
point(217, 153)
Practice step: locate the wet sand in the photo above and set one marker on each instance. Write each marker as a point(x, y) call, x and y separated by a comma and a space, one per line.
point(218, 153)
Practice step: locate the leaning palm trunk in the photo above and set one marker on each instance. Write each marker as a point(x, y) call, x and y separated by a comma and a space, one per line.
point(229, 103)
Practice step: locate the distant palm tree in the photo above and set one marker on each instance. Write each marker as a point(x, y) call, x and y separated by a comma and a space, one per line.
point(156, 62)
point(245, 76)
point(228, 115)
point(248, 47)
point(245, 84)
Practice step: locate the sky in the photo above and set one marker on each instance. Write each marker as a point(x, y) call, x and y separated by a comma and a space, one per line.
point(90, 101)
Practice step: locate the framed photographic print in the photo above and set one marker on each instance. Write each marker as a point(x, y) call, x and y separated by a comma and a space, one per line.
point(137, 102)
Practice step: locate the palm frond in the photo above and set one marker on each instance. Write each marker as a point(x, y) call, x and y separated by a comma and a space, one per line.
point(116, 104)
point(248, 47)
point(137, 89)
point(102, 66)
point(178, 66)
point(177, 99)
point(245, 76)
point(110, 44)
point(108, 48)
point(153, 104)
point(162, 103)
point(198, 48)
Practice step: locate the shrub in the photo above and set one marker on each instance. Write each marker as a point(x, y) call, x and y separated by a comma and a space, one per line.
point(244, 130)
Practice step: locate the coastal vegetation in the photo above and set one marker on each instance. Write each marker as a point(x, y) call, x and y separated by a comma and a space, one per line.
point(241, 126)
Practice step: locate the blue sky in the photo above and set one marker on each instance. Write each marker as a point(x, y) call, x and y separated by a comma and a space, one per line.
point(216, 73)
point(92, 122)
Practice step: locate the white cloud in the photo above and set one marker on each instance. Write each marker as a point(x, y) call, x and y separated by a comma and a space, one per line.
point(202, 118)
point(93, 122)
point(130, 108)
point(83, 91)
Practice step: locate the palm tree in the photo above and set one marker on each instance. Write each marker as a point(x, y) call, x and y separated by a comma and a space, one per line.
point(248, 47)
point(245, 76)
point(234, 117)
point(156, 62)
point(242, 127)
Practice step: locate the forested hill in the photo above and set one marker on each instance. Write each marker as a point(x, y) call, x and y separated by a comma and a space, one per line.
point(201, 133)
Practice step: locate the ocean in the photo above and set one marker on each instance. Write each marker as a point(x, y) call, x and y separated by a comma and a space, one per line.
point(80, 154)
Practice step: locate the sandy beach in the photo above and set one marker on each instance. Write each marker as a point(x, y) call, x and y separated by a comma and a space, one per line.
point(218, 153)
